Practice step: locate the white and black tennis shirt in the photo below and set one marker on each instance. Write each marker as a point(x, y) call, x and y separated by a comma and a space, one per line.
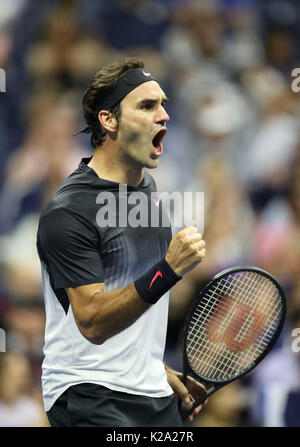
point(75, 250)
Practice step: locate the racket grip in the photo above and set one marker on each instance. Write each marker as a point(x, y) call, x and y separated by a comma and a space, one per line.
point(185, 414)
point(209, 392)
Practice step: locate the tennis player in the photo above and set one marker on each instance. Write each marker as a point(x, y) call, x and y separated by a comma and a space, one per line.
point(106, 287)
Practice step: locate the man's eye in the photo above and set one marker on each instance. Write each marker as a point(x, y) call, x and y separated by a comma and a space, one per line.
point(147, 106)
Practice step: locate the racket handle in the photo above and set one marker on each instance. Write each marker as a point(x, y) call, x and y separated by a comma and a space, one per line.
point(185, 414)
point(196, 404)
point(183, 379)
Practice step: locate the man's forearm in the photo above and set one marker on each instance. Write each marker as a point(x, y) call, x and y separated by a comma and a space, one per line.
point(112, 312)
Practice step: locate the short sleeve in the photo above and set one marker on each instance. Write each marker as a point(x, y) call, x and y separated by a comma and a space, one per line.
point(70, 249)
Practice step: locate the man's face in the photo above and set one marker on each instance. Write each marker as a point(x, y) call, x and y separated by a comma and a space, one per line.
point(143, 125)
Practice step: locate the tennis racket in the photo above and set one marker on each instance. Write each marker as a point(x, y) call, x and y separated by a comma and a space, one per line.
point(231, 327)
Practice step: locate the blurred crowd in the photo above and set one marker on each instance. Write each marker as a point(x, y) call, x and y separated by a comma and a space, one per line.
point(234, 134)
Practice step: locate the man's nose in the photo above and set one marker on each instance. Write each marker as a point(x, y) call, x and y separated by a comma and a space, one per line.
point(162, 116)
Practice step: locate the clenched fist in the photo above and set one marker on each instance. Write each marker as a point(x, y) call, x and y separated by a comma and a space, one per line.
point(186, 250)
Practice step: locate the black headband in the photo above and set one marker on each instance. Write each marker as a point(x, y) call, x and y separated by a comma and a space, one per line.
point(132, 79)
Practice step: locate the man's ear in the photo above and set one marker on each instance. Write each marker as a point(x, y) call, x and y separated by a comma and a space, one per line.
point(108, 120)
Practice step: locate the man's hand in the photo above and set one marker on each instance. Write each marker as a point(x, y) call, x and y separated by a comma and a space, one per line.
point(186, 250)
point(187, 393)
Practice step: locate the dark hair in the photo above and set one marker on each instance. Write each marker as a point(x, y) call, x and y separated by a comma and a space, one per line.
point(100, 87)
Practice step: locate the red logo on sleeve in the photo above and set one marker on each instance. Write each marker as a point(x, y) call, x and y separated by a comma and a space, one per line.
point(157, 274)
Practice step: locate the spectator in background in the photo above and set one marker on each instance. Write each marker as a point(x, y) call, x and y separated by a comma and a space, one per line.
point(63, 56)
point(225, 408)
point(277, 382)
point(33, 171)
point(17, 407)
point(128, 23)
point(276, 237)
point(272, 138)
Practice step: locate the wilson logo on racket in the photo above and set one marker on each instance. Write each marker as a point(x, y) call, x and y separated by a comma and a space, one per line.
point(235, 324)
point(157, 274)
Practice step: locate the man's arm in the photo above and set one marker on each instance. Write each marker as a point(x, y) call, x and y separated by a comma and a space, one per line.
point(100, 314)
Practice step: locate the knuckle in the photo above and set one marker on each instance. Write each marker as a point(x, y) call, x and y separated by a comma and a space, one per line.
point(186, 230)
point(181, 236)
point(186, 243)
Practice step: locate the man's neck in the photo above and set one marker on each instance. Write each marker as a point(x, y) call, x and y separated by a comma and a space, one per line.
point(108, 166)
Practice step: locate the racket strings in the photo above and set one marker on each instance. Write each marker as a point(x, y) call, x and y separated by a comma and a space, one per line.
point(207, 300)
point(204, 305)
point(214, 299)
point(263, 310)
point(240, 310)
point(227, 362)
point(223, 288)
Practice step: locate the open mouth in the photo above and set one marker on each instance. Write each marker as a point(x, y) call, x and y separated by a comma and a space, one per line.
point(157, 142)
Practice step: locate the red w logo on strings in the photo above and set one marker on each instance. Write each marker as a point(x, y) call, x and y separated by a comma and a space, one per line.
point(227, 320)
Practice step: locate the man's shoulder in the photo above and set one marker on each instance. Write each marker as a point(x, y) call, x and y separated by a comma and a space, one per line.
point(74, 196)
point(77, 195)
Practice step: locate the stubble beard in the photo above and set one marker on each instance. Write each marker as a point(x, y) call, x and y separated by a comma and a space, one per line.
point(132, 147)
